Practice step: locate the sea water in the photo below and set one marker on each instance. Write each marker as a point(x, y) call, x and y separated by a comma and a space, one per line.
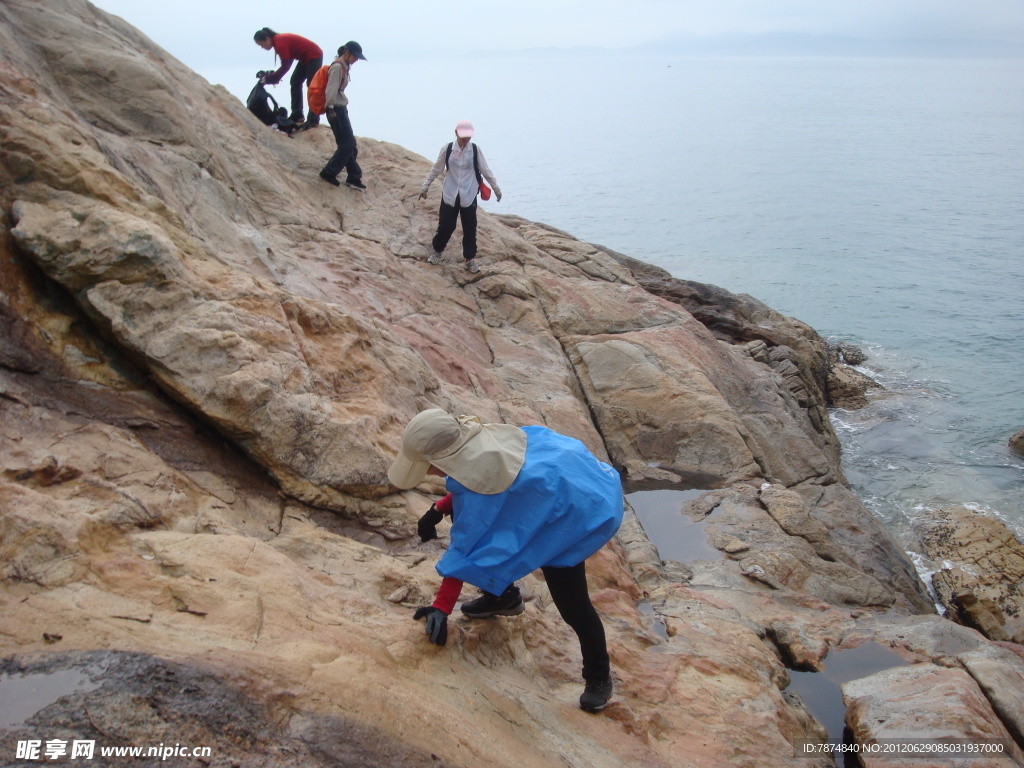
point(879, 200)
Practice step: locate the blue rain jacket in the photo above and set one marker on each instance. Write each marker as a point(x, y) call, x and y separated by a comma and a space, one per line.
point(563, 506)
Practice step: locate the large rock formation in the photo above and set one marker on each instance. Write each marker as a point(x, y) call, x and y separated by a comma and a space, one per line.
point(207, 360)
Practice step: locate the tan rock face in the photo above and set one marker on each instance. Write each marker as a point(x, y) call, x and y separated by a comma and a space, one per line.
point(982, 580)
point(925, 705)
point(790, 348)
point(207, 359)
point(1000, 673)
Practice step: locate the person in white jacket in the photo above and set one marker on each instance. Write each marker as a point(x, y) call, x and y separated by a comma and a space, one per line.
point(465, 168)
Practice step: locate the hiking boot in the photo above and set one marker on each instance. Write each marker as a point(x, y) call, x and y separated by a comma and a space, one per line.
point(356, 184)
point(472, 266)
point(434, 258)
point(509, 603)
point(596, 695)
point(333, 180)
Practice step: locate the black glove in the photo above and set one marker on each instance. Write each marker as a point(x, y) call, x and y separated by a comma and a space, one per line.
point(437, 623)
point(427, 525)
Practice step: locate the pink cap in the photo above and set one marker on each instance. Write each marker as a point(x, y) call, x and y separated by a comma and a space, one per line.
point(464, 128)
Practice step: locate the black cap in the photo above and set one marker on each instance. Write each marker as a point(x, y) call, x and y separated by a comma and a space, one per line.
point(355, 49)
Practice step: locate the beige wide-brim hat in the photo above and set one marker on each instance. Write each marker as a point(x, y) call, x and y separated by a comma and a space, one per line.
point(486, 458)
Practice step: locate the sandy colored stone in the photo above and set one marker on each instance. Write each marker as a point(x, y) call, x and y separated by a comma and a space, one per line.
point(847, 387)
point(924, 703)
point(1017, 442)
point(981, 580)
point(1000, 674)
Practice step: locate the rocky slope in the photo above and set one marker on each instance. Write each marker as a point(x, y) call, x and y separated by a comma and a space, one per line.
point(207, 360)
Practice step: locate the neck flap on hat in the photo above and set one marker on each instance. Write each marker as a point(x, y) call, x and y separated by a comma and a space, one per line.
point(486, 458)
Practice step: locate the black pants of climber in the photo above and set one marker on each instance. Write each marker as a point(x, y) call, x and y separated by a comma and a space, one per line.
point(347, 152)
point(303, 73)
point(568, 588)
point(446, 221)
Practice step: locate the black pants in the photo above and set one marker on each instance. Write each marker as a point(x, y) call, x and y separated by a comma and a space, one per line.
point(345, 156)
point(568, 588)
point(446, 221)
point(303, 73)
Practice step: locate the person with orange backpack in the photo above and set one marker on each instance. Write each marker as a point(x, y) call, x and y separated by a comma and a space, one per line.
point(336, 109)
point(288, 48)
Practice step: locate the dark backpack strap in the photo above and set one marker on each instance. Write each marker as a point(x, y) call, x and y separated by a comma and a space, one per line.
point(476, 163)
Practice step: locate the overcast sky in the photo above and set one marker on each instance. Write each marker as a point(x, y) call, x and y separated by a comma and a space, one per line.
point(215, 37)
point(216, 33)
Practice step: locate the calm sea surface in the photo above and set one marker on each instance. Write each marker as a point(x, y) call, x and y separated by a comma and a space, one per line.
point(880, 201)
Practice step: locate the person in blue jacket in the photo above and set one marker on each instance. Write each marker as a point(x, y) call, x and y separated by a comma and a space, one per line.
point(520, 498)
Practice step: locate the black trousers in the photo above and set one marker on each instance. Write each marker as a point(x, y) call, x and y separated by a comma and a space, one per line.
point(303, 73)
point(345, 156)
point(447, 218)
point(568, 588)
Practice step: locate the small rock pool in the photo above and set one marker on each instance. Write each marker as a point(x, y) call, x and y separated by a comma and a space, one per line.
point(674, 534)
point(820, 691)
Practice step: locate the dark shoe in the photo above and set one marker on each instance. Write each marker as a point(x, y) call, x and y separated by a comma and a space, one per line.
point(510, 603)
point(356, 184)
point(311, 121)
point(330, 179)
point(596, 695)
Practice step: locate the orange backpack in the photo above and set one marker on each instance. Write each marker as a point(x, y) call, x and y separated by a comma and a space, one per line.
point(316, 94)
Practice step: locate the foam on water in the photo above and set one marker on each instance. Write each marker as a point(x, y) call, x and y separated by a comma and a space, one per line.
point(914, 449)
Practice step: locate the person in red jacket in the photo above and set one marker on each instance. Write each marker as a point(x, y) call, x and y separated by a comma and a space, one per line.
point(290, 48)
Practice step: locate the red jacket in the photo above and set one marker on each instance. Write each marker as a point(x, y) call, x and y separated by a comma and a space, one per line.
point(290, 47)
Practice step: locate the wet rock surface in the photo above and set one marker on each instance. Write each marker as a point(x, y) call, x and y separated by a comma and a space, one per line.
point(126, 700)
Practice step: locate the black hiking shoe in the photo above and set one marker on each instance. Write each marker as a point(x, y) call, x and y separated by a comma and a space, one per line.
point(356, 184)
point(510, 603)
point(330, 179)
point(596, 695)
